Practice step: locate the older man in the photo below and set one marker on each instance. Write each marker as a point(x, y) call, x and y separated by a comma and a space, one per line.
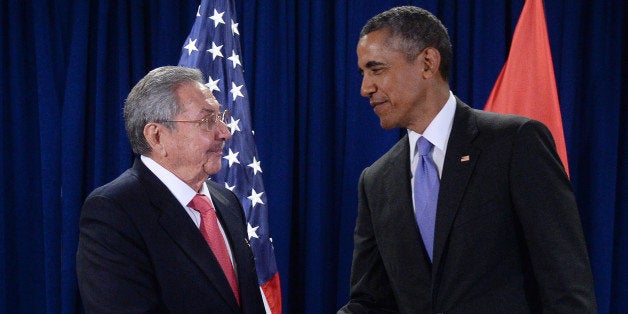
point(160, 237)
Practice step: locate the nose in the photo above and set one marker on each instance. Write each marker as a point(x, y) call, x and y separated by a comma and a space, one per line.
point(368, 87)
point(223, 131)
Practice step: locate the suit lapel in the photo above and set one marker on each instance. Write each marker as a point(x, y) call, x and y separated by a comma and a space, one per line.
point(457, 169)
point(176, 222)
point(231, 217)
point(228, 218)
point(231, 223)
point(395, 178)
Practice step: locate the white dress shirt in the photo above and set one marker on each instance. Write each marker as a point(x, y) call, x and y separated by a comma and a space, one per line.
point(184, 194)
point(437, 132)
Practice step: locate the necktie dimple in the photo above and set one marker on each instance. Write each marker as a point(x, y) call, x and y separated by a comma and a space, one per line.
point(211, 232)
point(426, 185)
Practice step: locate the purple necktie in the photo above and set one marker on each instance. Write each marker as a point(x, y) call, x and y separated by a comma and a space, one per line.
point(426, 183)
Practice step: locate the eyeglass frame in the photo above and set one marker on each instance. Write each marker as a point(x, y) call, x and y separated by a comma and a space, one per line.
point(220, 116)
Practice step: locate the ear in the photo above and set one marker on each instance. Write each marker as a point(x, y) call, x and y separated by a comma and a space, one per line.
point(155, 134)
point(430, 58)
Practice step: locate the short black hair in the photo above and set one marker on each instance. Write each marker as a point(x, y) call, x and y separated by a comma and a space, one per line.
point(417, 29)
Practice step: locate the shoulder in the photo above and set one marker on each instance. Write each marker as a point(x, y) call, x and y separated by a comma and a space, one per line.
point(217, 189)
point(132, 186)
point(137, 190)
point(222, 196)
point(522, 138)
point(114, 201)
point(124, 185)
point(491, 120)
point(486, 120)
point(399, 153)
point(226, 202)
point(493, 126)
point(114, 206)
point(511, 125)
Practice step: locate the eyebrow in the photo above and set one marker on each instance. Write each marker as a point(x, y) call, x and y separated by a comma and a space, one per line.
point(209, 111)
point(371, 64)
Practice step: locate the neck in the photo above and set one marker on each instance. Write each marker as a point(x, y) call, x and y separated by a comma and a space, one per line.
point(193, 180)
point(434, 101)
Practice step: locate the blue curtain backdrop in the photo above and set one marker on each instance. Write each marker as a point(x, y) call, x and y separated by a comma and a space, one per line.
point(67, 67)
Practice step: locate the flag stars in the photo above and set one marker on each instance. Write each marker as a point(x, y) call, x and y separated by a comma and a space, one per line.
point(235, 59)
point(191, 46)
point(234, 125)
point(213, 84)
point(256, 198)
point(235, 90)
point(215, 51)
point(232, 157)
point(234, 28)
point(252, 231)
point(230, 188)
point(255, 165)
point(217, 18)
point(237, 176)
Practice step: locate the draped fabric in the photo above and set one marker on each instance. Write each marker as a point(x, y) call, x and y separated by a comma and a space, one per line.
point(67, 66)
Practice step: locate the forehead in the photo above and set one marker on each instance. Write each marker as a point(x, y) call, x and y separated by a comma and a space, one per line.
point(198, 95)
point(209, 96)
point(374, 46)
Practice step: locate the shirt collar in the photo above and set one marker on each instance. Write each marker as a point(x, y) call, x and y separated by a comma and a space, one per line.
point(183, 192)
point(437, 132)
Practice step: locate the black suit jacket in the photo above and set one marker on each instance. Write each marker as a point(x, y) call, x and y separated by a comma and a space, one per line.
point(508, 237)
point(140, 252)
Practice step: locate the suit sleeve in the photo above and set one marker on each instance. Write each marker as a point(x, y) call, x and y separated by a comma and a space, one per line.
point(113, 268)
point(546, 207)
point(370, 287)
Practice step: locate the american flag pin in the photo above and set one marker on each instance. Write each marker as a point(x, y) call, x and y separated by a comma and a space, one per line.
point(464, 158)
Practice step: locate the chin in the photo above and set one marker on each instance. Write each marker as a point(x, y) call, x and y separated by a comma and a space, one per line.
point(211, 168)
point(385, 125)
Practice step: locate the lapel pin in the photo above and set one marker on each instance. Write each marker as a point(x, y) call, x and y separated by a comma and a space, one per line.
point(464, 158)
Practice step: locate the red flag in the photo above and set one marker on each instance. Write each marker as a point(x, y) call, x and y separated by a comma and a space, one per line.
point(526, 85)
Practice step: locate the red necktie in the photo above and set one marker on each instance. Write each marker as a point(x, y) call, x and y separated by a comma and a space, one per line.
point(211, 232)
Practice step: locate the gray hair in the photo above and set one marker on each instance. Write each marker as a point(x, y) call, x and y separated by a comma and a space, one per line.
point(417, 29)
point(154, 99)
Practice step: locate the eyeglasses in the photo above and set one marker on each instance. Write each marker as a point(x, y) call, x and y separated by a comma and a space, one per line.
point(209, 121)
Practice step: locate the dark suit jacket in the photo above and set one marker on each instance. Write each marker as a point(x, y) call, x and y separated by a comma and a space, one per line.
point(140, 252)
point(508, 236)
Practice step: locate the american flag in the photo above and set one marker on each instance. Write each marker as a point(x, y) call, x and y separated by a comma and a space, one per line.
point(213, 47)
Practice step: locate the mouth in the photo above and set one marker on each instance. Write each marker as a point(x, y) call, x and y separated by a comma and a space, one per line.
point(378, 105)
point(217, 149)
point(375, 103)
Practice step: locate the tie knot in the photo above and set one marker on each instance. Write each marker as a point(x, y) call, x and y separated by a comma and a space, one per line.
point(201, 203)
point(423, 146)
